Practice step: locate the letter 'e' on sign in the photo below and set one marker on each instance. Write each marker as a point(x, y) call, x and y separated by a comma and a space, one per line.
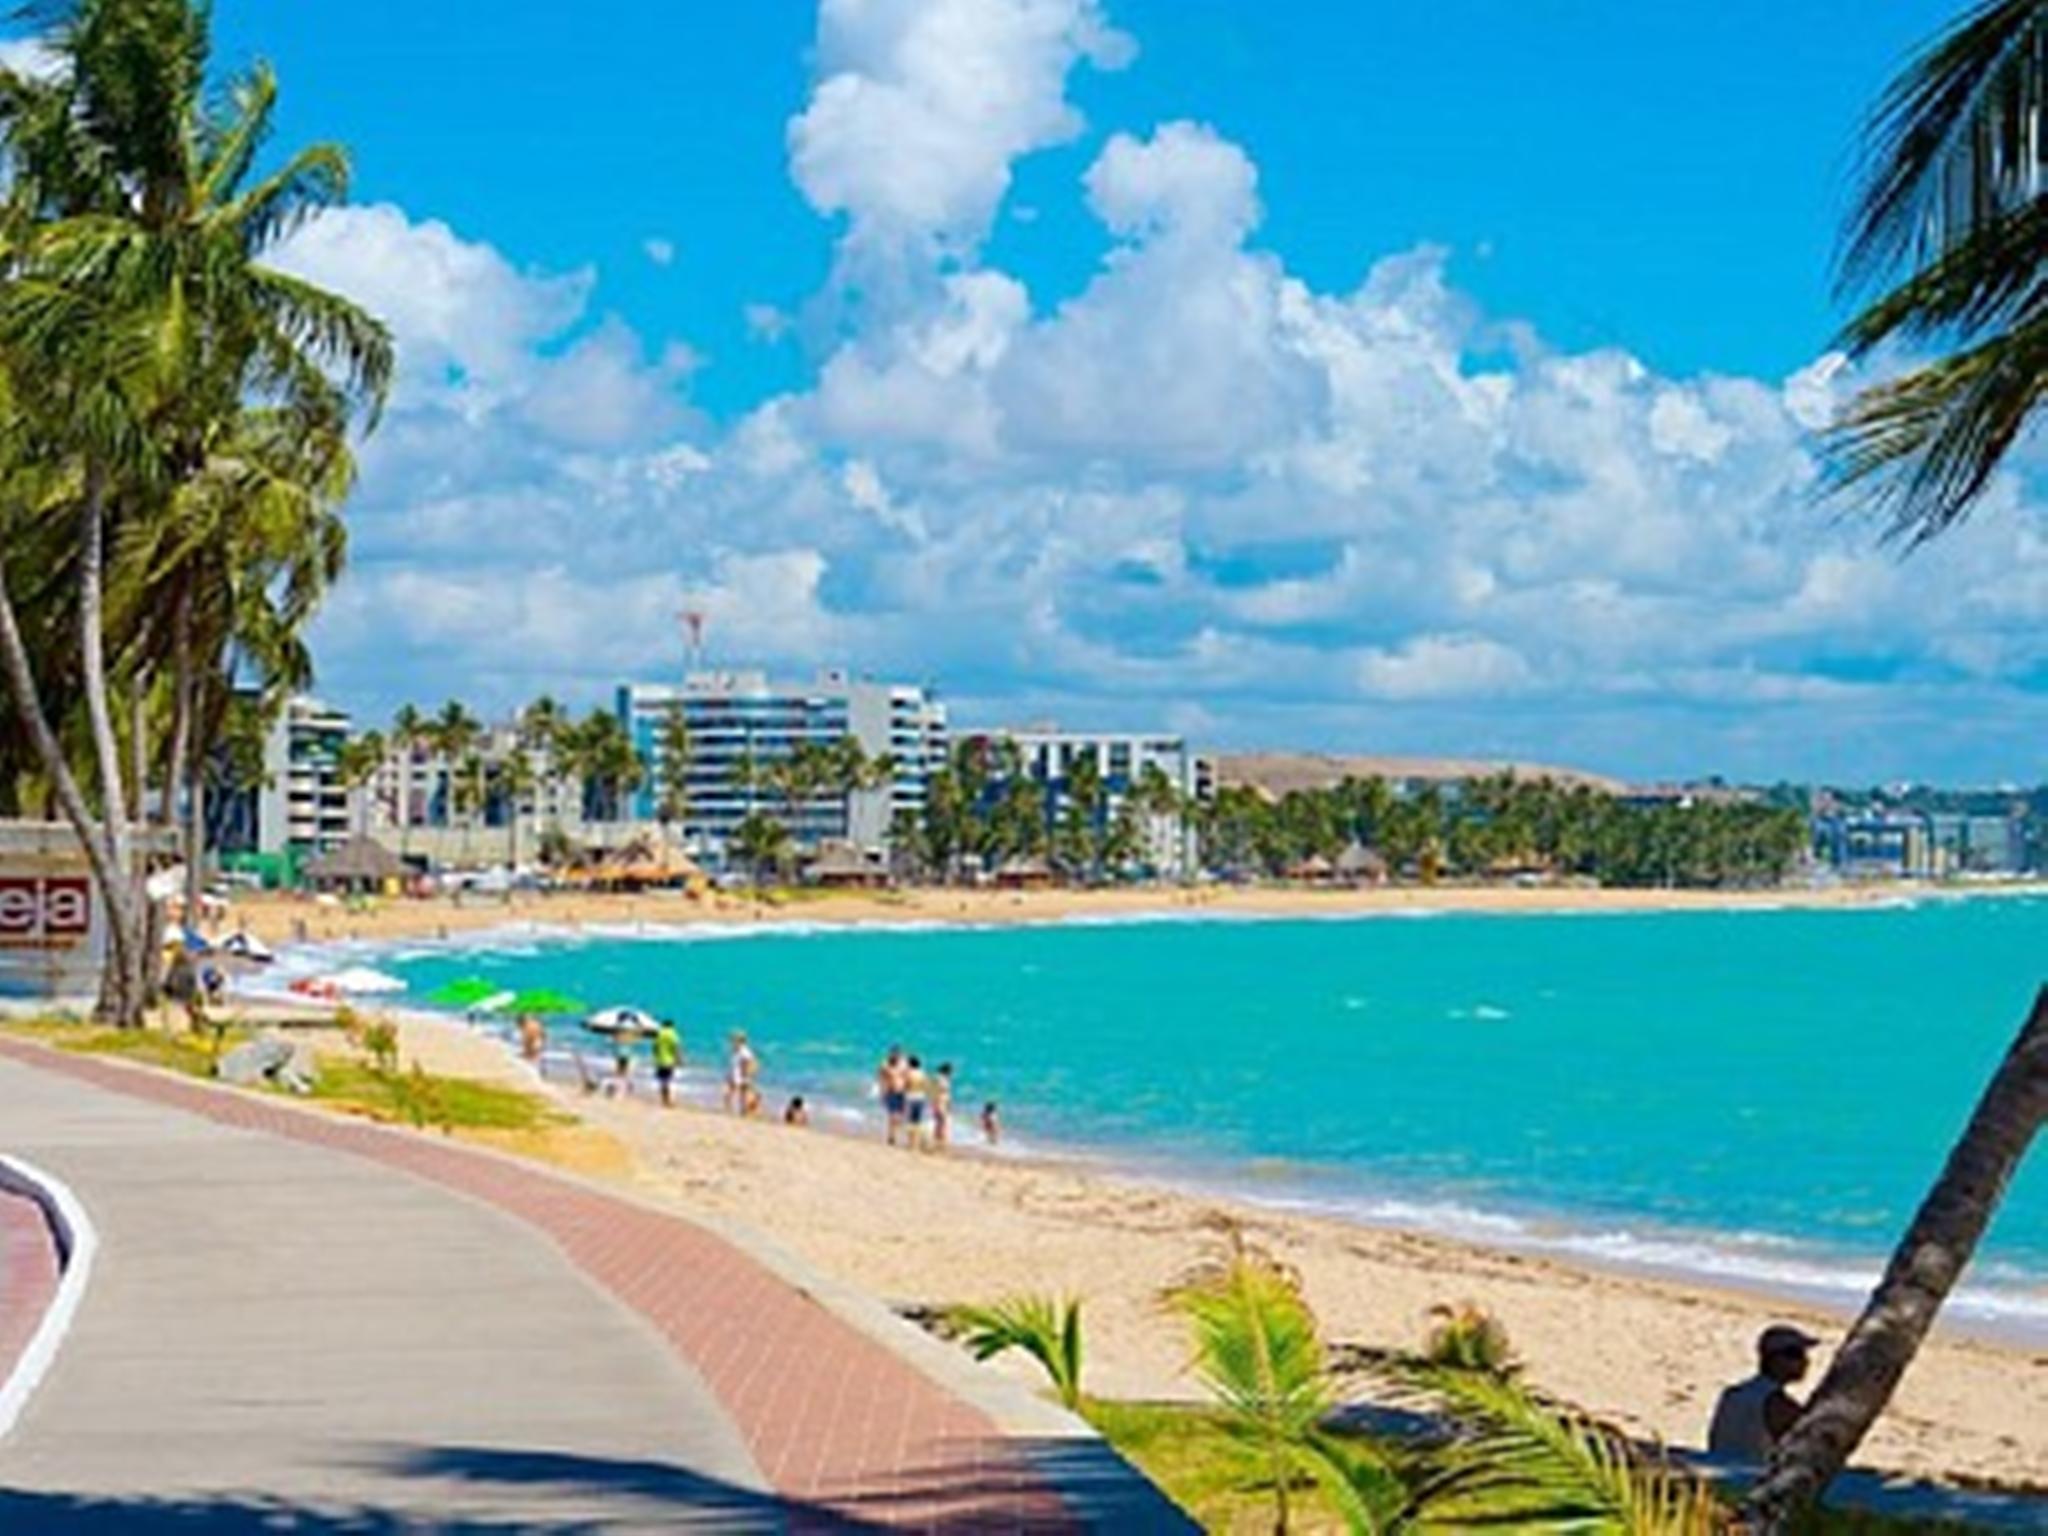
point(44, 911)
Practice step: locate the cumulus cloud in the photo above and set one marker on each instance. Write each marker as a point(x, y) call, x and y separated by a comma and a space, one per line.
point(922, 107)
point(1200, 491)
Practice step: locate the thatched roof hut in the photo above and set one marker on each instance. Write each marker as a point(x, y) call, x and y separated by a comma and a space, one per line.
point(1024, 873)
point(1315, 869)
point(844, 866)
point(641, 864)
point(360, 864)
point(1361, 865)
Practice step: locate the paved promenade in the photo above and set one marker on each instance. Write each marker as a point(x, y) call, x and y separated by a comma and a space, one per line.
point(370, 1331)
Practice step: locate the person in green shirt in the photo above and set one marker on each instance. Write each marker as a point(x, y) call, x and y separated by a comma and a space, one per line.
point(668, 1055)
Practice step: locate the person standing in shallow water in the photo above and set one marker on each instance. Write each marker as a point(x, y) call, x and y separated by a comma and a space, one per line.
point(916, 1099)
point(1752, 1416)
point(668, 1056)
point(892, 1081)
point(942, 1104)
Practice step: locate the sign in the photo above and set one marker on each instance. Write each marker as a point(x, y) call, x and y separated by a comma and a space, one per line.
point(45, 911)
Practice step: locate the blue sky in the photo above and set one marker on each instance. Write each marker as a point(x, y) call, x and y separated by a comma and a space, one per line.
point(1415, 375)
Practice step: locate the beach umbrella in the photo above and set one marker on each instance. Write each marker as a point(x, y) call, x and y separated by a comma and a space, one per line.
point(544, 1000)
point(497, 1002)
point(464, 992)
point(360, 980)
point(621, 1022)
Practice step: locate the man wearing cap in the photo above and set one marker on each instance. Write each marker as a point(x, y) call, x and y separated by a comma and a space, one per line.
point(1754, 1415)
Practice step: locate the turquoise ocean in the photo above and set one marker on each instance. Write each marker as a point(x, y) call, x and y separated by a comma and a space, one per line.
point(1750, 1096)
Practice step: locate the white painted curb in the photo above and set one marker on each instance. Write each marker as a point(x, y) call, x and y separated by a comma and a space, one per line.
point(77, 1243)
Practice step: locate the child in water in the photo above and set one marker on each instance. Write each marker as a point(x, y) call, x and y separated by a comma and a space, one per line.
point(991, 1125)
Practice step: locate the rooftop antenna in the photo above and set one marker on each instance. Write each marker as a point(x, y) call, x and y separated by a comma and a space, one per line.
point(694, 620)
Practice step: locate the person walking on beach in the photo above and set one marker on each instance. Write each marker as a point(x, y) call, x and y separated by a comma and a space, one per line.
point(533, 1037)
point(942, 1104)
point(991, 1123)
point(893, 1080)
point(741, 1069)
point(668, 1056)
point(1752, 1416)
point(916, 1098)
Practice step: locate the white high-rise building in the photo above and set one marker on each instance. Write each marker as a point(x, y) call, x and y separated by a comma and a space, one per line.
point(741, 718)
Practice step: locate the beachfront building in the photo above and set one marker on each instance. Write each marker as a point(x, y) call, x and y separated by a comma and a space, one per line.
point(741, 724)
point(1122, 762)
point(1913, 844)
point(302, 806)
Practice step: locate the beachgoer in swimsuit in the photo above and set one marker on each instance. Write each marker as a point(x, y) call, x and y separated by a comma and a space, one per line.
point(622, 1071)
point(798, 1113)
point(991, 1124)
point(668, 1055)
point(942, 1104)
point(916, 1099)
point(741, 1068)
point(533, 1037)
point(893, 1079)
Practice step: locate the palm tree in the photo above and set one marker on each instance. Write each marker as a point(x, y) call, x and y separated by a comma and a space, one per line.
point(672, 770)
point(357, 763)
point(139, 335)
point(1259, 1351)
point(761, 843)
point(1953, 213)
point(1046, 1329)
point(453, 732)
point(408, 732)
point(516, 782)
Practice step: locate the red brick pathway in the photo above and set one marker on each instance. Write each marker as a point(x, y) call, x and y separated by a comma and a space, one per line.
point(28, 1274)
point(840, 1426)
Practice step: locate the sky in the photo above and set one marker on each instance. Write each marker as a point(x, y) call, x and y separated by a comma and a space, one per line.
point(1427, 376)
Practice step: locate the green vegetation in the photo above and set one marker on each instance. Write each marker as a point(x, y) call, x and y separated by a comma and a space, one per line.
point(191, 1054)
point(178, 432)
point(1047, 1330)
point(1469, 1338)
point(423, 1099)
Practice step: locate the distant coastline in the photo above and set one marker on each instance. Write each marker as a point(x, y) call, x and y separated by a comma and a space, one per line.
point(278, 919)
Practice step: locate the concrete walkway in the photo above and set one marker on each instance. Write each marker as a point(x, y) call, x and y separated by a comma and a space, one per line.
point(274, 1323)
point(280, 1325)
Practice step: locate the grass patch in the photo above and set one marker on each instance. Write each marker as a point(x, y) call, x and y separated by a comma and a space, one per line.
point(176, 1051)
point(1189, 1454)
point(426, 1099)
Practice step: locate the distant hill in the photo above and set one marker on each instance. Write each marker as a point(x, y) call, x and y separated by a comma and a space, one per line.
point(1279, 772)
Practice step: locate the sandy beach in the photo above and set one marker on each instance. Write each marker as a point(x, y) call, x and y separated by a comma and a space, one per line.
point(930, 1230)
point(278, 919)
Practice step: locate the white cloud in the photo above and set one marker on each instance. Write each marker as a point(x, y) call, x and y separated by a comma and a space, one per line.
point(30, 57)
point(922, 106)
point(1200, 490)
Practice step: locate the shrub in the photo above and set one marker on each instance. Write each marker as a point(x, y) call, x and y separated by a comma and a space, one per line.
point(1467, 1337)
point(1046, 1329)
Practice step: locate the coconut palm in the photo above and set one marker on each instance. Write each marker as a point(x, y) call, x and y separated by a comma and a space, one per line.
point(1954, 213)
point(139, 329)
point(1953, 216)
point(762, 844)
point(1046, 1328)
point(357, 762)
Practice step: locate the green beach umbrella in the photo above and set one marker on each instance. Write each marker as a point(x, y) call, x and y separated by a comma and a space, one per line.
point(464, 992)
point(544, 1000)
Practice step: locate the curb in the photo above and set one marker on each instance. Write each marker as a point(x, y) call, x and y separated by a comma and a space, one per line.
point(77, 1243)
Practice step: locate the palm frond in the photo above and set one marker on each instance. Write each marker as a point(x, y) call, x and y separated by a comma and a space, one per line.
point(1926, 444)
point(1044, 1327)
point(1536, 1466)
point(1955, 142)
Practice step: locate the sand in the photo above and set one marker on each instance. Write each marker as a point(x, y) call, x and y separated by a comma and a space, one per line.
point(927, 1230)
point(280, 919)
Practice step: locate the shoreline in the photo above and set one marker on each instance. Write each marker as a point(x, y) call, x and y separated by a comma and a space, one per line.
point(276, 919)
point(2007, 1311)
point(929, 1230)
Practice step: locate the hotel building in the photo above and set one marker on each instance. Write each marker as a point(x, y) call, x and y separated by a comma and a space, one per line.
point(742, 717)
point(1121, 759)
point(302, 806)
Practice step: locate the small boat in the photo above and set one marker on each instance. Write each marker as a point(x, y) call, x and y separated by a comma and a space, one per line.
point(622, 1023)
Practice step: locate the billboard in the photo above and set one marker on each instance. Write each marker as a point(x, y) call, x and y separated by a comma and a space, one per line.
point(52, 931)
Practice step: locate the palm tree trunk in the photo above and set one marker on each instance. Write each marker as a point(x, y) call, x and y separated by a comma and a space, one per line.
point(21, 682)
point(120, 997)
point(1924, 1268)
point(195, 794)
